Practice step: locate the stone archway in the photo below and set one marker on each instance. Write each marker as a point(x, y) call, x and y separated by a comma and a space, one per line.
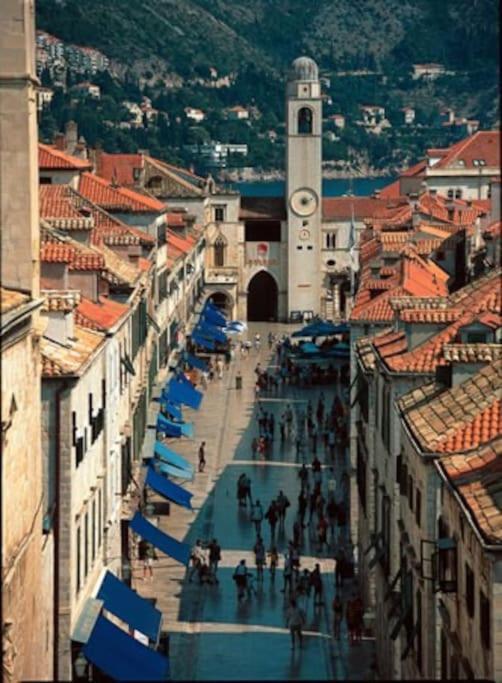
point(224, 302)
point(263, 297)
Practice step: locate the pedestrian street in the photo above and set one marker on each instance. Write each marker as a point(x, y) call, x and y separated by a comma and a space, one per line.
point(212, 636)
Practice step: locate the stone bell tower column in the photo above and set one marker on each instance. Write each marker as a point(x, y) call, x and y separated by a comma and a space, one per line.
point(304, 185)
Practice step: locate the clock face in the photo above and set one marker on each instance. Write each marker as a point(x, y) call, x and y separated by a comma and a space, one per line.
point(304, 202)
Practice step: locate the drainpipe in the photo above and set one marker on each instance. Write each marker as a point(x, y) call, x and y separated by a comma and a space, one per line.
point(57, 503)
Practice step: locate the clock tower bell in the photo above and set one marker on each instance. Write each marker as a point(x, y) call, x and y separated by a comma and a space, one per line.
point(304, 185)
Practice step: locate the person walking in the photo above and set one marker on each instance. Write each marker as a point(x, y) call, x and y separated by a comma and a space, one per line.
point(259, 553)
point(247, 490)
point(295, 619)
point(240, 577)
point(339, 567)
point(289, 419)
point(197, 556)
point(312, 504)
point(337, 616)
point(313, 436)
point(282, 503)
point(219, 367)
point(331, 513)
point(297, 533)
point(272, 515)
point(303, 476)
point(317, 584)
point(149, 556)
point(287, 574)
point(282, 428)
point(254, 447)
point(257, 516)
point(351, 616)
point(322, 533)
point(274, 561)
point(241, 490)
point(302, 507)
point(202, 456)
point(214, 558)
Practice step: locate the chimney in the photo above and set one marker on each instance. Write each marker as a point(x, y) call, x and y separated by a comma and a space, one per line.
point(60, 327)
point(71, 132)
point(60, 141)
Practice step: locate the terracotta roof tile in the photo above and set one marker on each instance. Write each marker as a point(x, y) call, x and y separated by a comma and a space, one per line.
point(58, 208)
point(11, 299)
point(483, 145)
point(472, 353)
point(461, 418)
point(100, 316)
point(477, 477)
point(104, 194)
point(59, 360)
point(51, 158)
point(342, 208)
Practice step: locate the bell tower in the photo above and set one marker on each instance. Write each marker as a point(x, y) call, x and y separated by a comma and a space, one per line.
point(304, 185)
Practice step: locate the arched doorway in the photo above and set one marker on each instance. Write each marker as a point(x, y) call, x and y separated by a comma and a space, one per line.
point(262, 297)
point(223, 301)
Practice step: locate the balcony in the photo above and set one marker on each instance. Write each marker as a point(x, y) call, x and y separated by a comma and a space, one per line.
point(222, 276)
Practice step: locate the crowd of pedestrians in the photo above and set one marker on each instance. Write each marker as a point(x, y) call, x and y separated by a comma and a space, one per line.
point(317, 521)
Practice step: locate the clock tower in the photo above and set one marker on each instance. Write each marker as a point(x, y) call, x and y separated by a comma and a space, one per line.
point(304, 186)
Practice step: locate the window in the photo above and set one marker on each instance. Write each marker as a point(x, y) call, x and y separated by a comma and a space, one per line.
point(476, 338)
point(74, 428)
point(450, 193)
point(385, 562)
point(484, 620)
point(385, 424)
point(219, 214)
point(410, 492)
point(305, 121)
point(219, 252)
point(100, 517)
point(469, 590)
point(418, 507)
point(418, 626)
point(299, 247)
point(86, 544)
point(361, 476)
point(93, 531)
point(458, 193)
point(161, 234)
point(79, 560)
point(331, 240)
point(90, 409)
point(136, 173)
point(79, 451)
point(162, 285)
point(404, 480)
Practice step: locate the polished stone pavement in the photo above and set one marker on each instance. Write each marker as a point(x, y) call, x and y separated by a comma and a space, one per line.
point(211, 636)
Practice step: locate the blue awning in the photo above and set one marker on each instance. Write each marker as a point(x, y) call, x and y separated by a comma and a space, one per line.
point(203, 343)
point(309, 348)
point(167, 544)
point(171, 470)
point(195, 362)
point(208, 331)
point(213, 314)
point(173, 409)
point(168, 489)
point(171, 458)
point(122, 657)
point(183, 393)
point(126, 604)
point(175, 429)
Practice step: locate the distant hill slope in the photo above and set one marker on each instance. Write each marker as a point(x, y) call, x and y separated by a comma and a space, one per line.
point(190, 35)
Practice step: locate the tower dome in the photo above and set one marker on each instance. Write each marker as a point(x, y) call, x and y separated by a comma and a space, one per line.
point(305, 69)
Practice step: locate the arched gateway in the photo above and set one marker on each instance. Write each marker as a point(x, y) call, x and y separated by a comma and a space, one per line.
point(263, 296)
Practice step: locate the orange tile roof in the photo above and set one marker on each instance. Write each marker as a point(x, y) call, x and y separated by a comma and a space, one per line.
point(391, 191)
point(476, 477)
point(483, 145)
point(341, 208)
point(57, 206)
point(144, 264)
point(461, 418)
point(119, 168)
point(415, 170)
point(11, 299)
point(437, 315)
point(50, 158)
point(100, 316)
point(59, 360)
point(104, 194)
point(180, 243)
point(428, 355)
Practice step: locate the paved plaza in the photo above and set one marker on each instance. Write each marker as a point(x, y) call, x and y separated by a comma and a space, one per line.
point(212, 637)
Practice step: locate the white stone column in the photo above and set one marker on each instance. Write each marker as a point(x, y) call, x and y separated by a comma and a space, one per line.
point(336, 300)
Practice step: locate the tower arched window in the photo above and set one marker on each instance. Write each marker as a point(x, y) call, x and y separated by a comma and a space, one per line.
point(305, 121)
point(219, 252)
